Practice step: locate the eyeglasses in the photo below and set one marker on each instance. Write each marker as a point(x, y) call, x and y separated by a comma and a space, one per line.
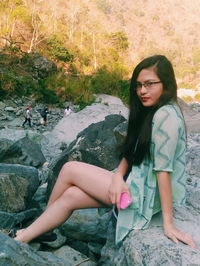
point(147, 84)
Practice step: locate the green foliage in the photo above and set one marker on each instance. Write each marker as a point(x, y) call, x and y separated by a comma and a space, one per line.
point(60, 87)
point(44, 94)
point(197, 97)
point(14, 47)
point(186, 85)
point(104, 6)
point(78, 90)
point(196, 56)
point(187, 99)
point(107, 81)
point(119, 40)
point(11, 83)
point(124, 90)
point(58, 51)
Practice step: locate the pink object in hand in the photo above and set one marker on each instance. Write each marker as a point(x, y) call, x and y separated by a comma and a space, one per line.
point(125, 200)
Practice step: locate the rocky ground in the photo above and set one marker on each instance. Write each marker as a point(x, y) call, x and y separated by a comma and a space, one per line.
point(30, 160)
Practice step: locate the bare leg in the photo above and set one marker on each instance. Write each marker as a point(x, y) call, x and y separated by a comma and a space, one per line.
point(91, 179)
point(79, 185)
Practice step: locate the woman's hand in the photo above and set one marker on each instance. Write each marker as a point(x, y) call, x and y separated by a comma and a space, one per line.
point(117, 186)
point(175, 235)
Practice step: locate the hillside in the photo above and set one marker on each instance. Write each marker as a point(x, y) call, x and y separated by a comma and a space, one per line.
point(84, 35)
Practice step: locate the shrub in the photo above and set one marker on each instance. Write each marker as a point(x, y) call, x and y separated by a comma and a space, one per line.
point(197, 97)
point(124, 90)
point(44, 94)
point(187, 99)
point(58, 51)
point(107, 81)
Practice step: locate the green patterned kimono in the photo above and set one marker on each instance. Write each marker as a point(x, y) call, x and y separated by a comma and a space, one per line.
point(167, 153)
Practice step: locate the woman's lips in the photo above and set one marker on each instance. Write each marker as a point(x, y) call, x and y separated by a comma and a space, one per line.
point(144, 99)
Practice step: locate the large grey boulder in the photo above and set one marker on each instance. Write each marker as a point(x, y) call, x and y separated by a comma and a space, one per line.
point(87, 225)
point(5, 144)
point(13, 192)
point(41, 66)
point(18, 185)
point(15, 253)
point(70, 126)
point(25, 152)
point(97, 145)
point(150, 247)
point(10, 220)
point(191, 117)
point(73, 256)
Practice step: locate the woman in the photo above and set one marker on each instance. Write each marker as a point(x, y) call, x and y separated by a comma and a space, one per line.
point(153, 162)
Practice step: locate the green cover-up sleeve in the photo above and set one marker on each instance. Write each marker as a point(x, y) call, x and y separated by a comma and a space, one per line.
point(165, 133)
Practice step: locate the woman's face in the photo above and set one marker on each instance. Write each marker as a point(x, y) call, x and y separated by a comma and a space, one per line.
point(149, 88)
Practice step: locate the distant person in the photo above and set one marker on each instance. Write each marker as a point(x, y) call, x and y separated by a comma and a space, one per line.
point(27, 116)
point(67, 111)
point(43, 114)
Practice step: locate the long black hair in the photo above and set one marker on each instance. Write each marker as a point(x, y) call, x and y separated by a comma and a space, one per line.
point(137, 142)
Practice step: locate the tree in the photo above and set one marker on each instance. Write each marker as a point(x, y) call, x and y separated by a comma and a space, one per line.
point(119, 40)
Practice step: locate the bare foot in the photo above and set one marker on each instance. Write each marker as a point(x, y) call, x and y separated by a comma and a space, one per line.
point(19, 235)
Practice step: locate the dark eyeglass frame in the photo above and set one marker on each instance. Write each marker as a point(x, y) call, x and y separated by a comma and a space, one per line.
point(147, 84)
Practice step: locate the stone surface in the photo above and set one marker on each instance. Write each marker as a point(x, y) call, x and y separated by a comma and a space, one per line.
point(24, 152)
point(14, 253)
point(81, 120)
point(30, 174)
point(95, 145)
point(13, 193)
point(150, 247)
point(87, 230)
point(10, 220)
point(73, 257)
point(86, 225)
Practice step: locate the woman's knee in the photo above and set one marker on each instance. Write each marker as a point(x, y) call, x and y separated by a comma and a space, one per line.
point(69, 166)
point(71, 196)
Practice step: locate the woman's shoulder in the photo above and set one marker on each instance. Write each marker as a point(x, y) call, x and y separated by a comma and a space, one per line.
point(169, 111)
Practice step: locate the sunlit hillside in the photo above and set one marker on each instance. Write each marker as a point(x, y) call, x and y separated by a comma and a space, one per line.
point(94, 33)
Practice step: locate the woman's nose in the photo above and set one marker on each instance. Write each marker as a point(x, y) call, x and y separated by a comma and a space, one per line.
point(143, 89)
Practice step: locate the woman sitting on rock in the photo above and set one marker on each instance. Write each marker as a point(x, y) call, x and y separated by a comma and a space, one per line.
point(153, 163)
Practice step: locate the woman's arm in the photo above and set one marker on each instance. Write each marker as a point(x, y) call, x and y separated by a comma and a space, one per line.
point(118, 185)
point(165, 190)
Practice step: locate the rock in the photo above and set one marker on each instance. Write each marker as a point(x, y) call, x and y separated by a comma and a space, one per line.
point(193, 199)
point(73, 257)
point(11, 220)
point(110, 249)
point(25, 152)
point(60, 241)
point(30, 174)
point(95, 248)
point(86, 225)
point(9, 109)
point(44, 173)
point(96, 145)
point(15, 253)
point(41, 66)
point(193, 161)
point(76, 138)
point(150, 247)
point(81, 120)
point(120, 132)
point(13, 193)
point(5, 144)
point(191, 116)
point(2, 106)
